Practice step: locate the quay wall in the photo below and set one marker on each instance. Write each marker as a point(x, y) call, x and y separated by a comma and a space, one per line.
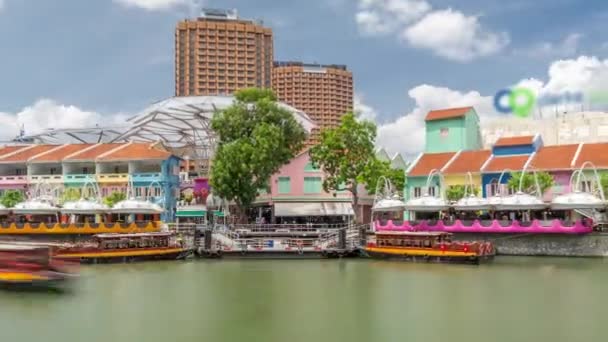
point(588, 245)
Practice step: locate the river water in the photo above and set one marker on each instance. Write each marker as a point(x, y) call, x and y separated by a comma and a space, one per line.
point(513, 299)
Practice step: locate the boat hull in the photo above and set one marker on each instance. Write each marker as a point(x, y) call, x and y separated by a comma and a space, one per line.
point(125, 255)
point(426, 256)
point(22, 281)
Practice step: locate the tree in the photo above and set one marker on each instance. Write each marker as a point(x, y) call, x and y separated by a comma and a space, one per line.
point(11, 197)
point(456, 192)
point(346, 155)
point(545, 181)
point(376, 169)
point(255, 137)
point(69, 195)
point(114, 198)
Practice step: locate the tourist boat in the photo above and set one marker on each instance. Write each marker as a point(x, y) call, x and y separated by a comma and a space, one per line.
point(428, 247)
point(106, 248)
point(33, 267)
point(425, 246)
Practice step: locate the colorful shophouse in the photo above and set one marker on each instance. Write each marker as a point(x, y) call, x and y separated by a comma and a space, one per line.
point(153, 171)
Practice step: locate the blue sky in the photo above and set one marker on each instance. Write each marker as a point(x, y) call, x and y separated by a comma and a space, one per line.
point(116, 56)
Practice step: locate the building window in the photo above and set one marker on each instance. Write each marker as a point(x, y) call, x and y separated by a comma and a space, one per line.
point(284, 185)
point(444, 132)
point(311, 168)
point(312, 185)
point(53, 171)
point(417, 192)
point(431, 191)
point(586, 186)
point(85, 170)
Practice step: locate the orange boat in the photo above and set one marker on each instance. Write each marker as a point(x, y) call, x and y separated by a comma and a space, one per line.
point(32, 267)
point(428, 247)
point(106, 248)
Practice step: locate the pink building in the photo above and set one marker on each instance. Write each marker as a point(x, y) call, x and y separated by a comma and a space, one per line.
point(296, 194)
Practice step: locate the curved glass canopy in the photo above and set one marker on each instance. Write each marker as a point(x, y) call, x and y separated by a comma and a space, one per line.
point(84, 206)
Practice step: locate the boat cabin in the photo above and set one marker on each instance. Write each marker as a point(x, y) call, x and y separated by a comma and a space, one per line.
point(412, 239)
point(140, 240)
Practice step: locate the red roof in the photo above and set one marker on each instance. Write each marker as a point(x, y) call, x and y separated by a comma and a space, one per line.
point(136, 151)
point(595, 153)
point(449, 113)
point(515, 141)
point(10, 149)
point(558, 157)
point(468, 161)
point(59, 154)
point(23, 155)
point(430, 161)
point(94, 152)
point(513, 163)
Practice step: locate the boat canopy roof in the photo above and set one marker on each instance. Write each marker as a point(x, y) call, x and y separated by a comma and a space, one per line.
point(83, 206)
point(35, 206)
point(135, 206)
point(577, 200)
point(389, 204)
point(20, 248)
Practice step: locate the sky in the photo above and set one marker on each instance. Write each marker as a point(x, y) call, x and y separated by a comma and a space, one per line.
point(74, 63)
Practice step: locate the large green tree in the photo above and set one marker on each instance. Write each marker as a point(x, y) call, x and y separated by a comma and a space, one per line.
point(346, 156)
point(376, 169)
point(545, 181)
point(11, 197)
point(255, 137)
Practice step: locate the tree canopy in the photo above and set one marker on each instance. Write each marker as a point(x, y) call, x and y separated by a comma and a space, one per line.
point(255, 137)
point(456, 192)
point(11, 197)
point(545, 181)
point(69, 195)
point(114, 198)
point(346, 156)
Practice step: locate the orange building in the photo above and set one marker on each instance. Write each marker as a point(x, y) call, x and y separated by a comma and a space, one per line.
point(219, 53)
point(324, 92)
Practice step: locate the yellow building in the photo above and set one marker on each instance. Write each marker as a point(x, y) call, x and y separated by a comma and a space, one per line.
point(456, 170)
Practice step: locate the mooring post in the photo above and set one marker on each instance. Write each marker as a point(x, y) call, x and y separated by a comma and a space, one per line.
point(208, 239)
point(342, 239)
point(362, 236)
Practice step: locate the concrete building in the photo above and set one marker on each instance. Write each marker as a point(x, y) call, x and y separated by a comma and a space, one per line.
point(561, 129)
point(324, 92)
point(219, 53)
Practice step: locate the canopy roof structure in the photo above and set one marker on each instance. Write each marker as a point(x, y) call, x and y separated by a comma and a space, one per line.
point(180, 123)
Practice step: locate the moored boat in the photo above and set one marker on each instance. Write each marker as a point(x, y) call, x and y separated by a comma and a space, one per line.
point(428, 247)
point(106, 248)
point(32, 267)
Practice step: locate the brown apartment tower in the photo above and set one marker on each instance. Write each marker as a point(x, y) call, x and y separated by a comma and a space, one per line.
point(324, 92)
point(219, 53)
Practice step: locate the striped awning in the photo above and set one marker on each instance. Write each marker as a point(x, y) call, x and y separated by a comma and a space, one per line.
point(313, 209)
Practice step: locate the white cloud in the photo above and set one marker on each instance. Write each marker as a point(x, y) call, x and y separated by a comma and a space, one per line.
point(406, 134)
point(377, 17)
point(46, 113)
point(154, 5)
point(447, 33)
point(364, 111)
point(569, 46)
point(455, 36)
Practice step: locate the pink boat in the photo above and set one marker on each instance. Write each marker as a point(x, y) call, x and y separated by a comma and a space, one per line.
point(493, 226)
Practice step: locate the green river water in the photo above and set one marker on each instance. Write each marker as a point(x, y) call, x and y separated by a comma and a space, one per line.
point(512, 299)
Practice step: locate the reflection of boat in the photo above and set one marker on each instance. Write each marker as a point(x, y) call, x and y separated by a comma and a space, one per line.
point(31, 267)
point(428, 247)
point(127, 247)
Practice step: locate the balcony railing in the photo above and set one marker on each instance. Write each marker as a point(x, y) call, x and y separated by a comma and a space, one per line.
point(79, 178)
point(147, 177)
point(45, 178)
point(113, 178)
point(13, 179)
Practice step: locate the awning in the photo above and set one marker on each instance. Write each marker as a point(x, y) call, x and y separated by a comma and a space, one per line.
point(191, 213)
point(313, 209)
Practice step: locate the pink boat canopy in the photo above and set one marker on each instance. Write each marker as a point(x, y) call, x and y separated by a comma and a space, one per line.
point(494, 226)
